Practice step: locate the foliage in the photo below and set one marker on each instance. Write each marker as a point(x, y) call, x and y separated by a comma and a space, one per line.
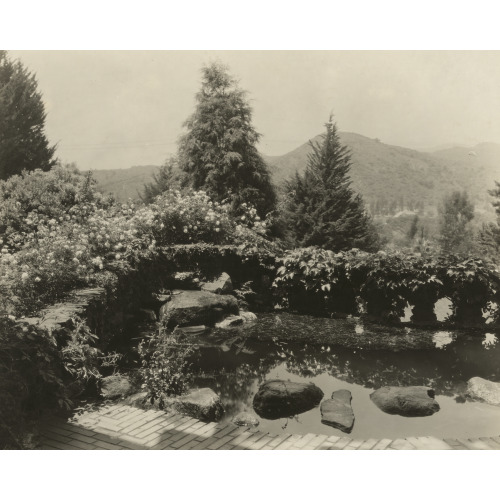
point(489, 236)
point(23, 145)
point(164, 358)
point(168, 178)
point(321, 280)
point(315, 279)
point(323, 209)
point(218, 153)
point(39, 370)
point(455, 215)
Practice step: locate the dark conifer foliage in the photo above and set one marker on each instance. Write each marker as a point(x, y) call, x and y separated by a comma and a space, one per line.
point(324, 211)
point(218, 153)
point(23, 145)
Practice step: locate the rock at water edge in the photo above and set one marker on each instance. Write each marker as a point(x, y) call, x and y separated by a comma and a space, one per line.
point(190, 308)
point(282, 398)
point(413, 401)
point(202, 404)
point(337, 411)
point(484, 390)
point(245, 419)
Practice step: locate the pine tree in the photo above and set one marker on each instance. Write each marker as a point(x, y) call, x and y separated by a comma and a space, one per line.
point(23, 145)
point(323, 209)
point(218, 153)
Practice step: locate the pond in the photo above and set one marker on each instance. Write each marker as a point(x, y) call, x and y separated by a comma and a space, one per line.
point(359, 356)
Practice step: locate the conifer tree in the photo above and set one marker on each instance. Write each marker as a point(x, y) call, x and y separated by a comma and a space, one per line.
point(218, 153)
point(323, 209)
point(23, 145)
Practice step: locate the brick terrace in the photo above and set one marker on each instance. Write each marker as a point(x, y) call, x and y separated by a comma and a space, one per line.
point(123, 427)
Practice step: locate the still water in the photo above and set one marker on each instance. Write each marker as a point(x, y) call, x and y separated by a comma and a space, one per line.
point(361, 357)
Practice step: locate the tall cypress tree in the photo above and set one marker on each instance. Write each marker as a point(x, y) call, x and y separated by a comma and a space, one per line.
point(218, 153)
point(23, 145)
point(323, 209)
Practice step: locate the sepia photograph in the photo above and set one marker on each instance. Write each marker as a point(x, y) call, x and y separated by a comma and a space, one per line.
point(239, 243)
point(195, 256)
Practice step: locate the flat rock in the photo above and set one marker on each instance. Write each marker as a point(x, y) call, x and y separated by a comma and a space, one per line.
point(413, 401)
point(484, 390)
point(337, 411)
point(190, 308)
point(245, 419)
point(222, 284)
point(203, 404)
point(116, 386)
point(230, 321)
point(282, 398)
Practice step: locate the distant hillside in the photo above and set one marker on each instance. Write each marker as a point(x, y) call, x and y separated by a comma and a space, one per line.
point(124, 183)
point(391, 179)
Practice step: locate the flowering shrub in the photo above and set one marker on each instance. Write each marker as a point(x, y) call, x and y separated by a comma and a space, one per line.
point(164, 365)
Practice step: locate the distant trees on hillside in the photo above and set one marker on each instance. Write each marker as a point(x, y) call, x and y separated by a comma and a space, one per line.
point(489, 236)
point(323, 210)
point(218, 153)
point(168, 177)
point(456, 212)
point(23, 145)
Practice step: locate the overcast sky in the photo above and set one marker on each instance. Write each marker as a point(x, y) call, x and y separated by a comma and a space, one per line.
point(117, 109)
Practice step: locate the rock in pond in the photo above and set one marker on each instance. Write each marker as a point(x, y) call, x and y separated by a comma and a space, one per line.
point(484, 390)
point(116, 386)
point(222, 284)
point(245, 419)
point(202, 404)
point(282, 398)
point(337, 411)
point(413, 401)
point(189, 308)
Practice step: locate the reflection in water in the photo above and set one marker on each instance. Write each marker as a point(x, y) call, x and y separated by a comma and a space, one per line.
point(441, 339)
point(490, 339)
point(344, 354)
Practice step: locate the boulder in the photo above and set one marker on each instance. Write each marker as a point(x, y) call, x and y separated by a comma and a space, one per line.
point(281, 398)
point(116, 386)
point(484, 390)
point(232, 321)
point(222, 284)
point(190, 308)
point(337, 411)
point(248, 316)
point(245, 419)
point(202, 404)
point(413, 401)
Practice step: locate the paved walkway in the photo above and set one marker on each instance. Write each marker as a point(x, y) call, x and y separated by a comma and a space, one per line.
point(122, 427)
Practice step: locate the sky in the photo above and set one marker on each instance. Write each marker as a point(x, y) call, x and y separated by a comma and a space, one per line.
point(117, 109)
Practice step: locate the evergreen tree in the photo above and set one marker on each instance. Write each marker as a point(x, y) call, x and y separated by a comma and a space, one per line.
point(168, 177)
point(456, 213)
point(323, 209)
point(218, 153)
point(23, 145)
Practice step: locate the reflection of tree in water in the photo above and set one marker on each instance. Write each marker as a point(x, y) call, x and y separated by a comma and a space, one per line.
point(234, 366)
point(446, 369)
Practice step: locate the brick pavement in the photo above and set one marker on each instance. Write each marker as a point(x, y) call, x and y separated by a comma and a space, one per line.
point(122, 427)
